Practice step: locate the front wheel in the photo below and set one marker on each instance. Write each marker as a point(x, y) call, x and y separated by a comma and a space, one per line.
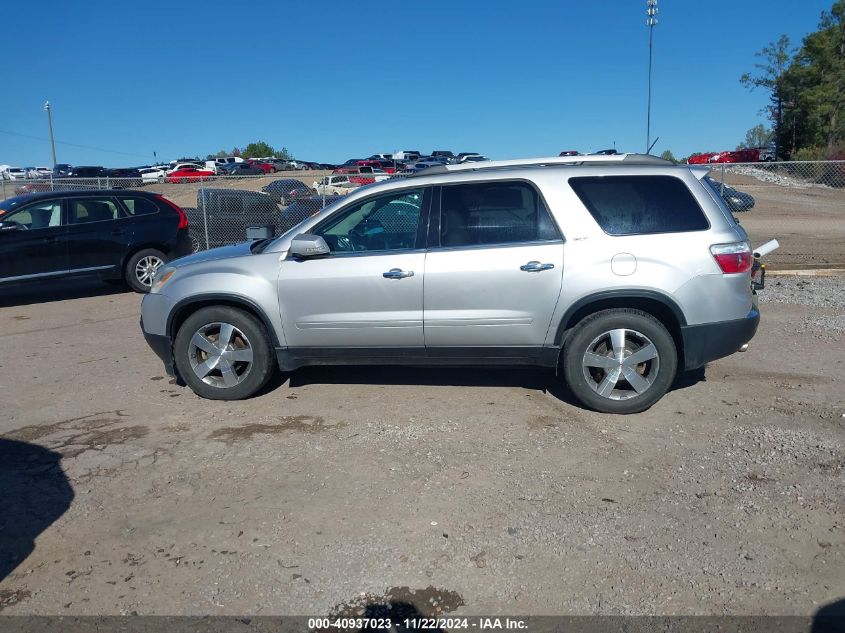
point(223, 353)
point(620, 361)
point(141, 268)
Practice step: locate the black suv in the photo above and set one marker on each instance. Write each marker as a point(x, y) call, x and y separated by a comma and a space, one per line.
point(287, 190)
point(117, 235)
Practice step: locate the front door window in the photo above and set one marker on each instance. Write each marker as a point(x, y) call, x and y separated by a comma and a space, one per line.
point(383, 223)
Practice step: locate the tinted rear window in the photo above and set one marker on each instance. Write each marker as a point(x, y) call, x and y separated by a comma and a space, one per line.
point(139, 206)
point(635, 205)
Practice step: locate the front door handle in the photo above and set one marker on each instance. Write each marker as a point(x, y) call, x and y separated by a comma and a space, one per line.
point(534, 267)
point(397, 273)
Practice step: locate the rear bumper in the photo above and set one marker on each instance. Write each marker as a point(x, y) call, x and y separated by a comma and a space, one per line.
point(183, 244)
point(708, 342)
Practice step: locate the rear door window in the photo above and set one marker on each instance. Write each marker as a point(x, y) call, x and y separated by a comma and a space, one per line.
point(85, 210)
point(493, 213)
point(640, 205)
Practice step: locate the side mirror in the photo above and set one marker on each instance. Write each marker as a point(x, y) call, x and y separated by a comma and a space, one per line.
point(308, 245)
point(9, 227)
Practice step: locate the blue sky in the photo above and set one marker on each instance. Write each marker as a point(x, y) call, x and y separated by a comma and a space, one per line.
point(335, 79)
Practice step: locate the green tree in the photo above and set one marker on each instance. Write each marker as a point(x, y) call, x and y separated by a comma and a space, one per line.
point(817, 78)
point(259, 149)
point(771, 76)
point(667, 155)
point(758, 136)
point(284, 154)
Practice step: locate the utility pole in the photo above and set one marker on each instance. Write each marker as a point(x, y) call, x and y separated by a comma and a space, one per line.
point(651, 20)
point(50, 123)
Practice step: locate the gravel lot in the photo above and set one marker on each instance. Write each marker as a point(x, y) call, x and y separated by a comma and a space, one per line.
point(481, 491)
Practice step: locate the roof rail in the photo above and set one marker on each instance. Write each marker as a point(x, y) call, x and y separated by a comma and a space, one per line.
point(602, 159)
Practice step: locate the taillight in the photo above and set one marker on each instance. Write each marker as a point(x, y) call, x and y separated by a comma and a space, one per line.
point(733, 258)
point(183, 218)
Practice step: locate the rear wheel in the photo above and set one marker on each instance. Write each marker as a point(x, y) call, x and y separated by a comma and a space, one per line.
point(620, 361)
point(197, 244)
point(141, 267)
point(223, 353)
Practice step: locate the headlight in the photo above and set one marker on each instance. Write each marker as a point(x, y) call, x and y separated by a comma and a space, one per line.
point(161, 278)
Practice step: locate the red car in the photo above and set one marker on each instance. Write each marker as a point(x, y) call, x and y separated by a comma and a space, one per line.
point(751, 155)
point(700, 159)
point(188, 174)
point(724, 157)
point(358, 180)
point(267, 168)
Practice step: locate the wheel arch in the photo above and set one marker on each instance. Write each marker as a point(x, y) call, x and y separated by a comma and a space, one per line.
point(185, 308)
point(660, 306)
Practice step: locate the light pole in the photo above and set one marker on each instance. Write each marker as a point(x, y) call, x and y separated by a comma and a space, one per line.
point(651, 20)
point(50, 123)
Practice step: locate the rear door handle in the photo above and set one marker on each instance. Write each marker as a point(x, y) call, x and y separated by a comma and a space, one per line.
point(397, 273)
point(534, 267)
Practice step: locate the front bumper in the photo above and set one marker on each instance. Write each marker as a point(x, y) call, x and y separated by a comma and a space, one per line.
point(710, 341)
point(155, 308)
point(163, 348)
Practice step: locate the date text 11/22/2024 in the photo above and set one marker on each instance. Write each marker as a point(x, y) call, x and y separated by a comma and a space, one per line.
point(420, 623)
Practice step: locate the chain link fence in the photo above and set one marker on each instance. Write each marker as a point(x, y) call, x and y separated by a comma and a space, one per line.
point(802, 204)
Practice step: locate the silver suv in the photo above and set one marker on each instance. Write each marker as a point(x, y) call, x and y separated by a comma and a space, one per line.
point(618, 271)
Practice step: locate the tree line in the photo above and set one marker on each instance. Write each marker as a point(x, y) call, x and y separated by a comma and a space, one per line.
point(258, 149)
point(806, 88)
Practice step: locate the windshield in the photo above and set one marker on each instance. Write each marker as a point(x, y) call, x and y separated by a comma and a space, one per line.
point(9, 203)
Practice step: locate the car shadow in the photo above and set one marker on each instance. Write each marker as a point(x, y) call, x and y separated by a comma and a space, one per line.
point(34, 492)
point(58, 290)
point(534, 378)
point(830, 618)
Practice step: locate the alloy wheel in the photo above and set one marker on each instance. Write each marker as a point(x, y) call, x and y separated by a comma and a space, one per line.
point(621, 364)
point(220, 355)
point(146, 269)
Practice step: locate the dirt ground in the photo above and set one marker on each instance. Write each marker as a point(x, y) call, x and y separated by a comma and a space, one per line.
point(465, 492)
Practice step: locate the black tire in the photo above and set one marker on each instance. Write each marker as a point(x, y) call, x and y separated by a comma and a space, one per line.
point(140, 265)
point(248, 333)
point(183, 180)
point(593, 335)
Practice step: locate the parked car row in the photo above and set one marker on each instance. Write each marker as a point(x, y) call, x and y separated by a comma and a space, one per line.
point(750, 155)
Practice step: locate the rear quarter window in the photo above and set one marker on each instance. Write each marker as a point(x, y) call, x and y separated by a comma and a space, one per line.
point(139, 206)
point(640, 205)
